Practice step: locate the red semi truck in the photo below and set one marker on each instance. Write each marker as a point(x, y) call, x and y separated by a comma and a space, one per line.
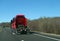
point(19, 24)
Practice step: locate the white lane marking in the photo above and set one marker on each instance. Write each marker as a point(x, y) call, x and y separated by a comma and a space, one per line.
point(46, 37)
point(13, 33)
point(22, 40)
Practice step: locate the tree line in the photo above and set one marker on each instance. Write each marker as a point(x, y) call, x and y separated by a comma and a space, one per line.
point(45, 24)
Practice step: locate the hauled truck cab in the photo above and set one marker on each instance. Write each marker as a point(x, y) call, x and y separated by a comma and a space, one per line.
point(19, 24)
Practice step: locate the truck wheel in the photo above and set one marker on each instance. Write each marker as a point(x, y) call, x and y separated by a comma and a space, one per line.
point(25, 32)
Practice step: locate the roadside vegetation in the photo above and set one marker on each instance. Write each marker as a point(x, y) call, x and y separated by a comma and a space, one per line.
point(43, 24)
point(47, 25)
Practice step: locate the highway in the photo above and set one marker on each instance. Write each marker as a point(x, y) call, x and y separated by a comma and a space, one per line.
point(5, 35)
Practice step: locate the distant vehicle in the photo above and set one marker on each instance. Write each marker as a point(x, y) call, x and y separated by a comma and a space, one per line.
point(19, 24)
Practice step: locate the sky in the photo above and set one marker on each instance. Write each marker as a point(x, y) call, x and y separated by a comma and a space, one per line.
point(32, 9)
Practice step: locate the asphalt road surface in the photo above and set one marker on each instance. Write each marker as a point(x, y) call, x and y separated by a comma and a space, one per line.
point(5, 35)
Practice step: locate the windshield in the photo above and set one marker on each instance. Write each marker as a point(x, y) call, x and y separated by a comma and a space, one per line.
point(29, 20)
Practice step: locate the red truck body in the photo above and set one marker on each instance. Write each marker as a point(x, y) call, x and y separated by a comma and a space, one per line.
point(19, 24)
point(18, 20)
